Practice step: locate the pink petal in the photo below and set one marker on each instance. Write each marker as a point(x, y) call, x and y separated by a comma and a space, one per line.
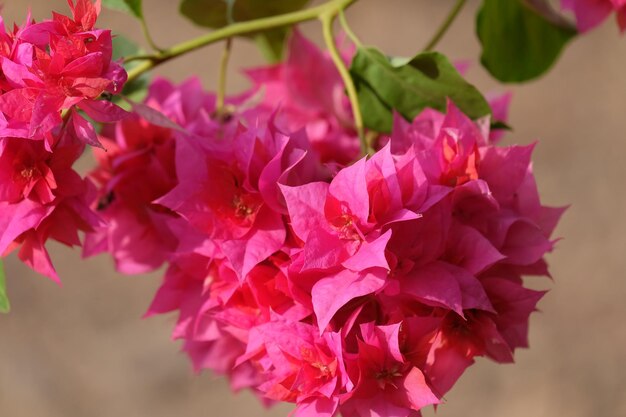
point(306, 207)
point(476, 253)
point(317, 407)
point(84, 131)
point(417, 391)
point(267, 237)
point(348, 193)
point(332, 293)
point(18, 218)
point(434, 285)
point(103, 111)
point(370, 254)
point(34, 254)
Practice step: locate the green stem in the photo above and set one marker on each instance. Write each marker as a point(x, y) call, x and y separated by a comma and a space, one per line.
point(146, 34)
point(349, 32)
point(445, 25)
point(221, 86)
point(236, 29)
point(327, 26)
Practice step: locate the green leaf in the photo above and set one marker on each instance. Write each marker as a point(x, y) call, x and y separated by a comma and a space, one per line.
point(409, 86)
point(499, 125)
point(215, 14)
point(133, 7)
point(272, 43)
point(377, 115)
point(5, 306)
point(521, 39)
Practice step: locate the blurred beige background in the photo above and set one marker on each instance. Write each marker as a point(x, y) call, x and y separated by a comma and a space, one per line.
point(83, 351)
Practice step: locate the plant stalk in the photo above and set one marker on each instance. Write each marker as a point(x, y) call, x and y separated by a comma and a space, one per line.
point(221, 86)
point(445, 25)
point(236, 29)
point(327, 20)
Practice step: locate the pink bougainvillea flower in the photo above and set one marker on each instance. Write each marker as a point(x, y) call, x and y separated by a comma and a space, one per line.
point(136, 167)
point(54, 66)
point(299, 366)
point(309, 92)
point(232, 194)
point(388, 384)
point(41, 198)
point(591, 13)
point(363, 293)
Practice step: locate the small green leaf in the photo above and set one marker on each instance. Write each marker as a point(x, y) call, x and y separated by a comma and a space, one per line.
point(133, 7)
point(219, 13)
point(499, 125)
point(377, 115)
point(409, 86)
point(272, 43)
point(5, 306)
point(521, 39)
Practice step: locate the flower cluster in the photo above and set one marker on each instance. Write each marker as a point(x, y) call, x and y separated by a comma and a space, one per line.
point(361, 288)
point(346, 286)
point(591, 13)
point(49, 71)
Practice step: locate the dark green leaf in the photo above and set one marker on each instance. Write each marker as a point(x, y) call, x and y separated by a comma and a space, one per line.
point(410, 86)
point(5, 306)
point(215, 14)
point(521, 39)
point(499, 125)
point(375, 112)
point(272, 43)
point(133, 7)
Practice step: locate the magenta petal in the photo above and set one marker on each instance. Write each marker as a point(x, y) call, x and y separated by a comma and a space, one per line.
point(474, 250)
point(380, 406)
point(589, 13)
point(309, 74)
point(103, 111)
point(445, 367)
point(306, 207)
point(472, 291)
point(16, 219)
point(525, 243)
point(317, 407)
point(38, 34)
point(18, 76)
point(384, 337)
point(324, 250)
point(514, 304)
point(267, 236)
point(495, 345)
point(370, 254)
point(89, 65)
point(349, 189)
point(45, 116)
point(505, 169)
point(85, 131)
point(434, 285)
point(332, 293)
point(34, 254)
point(417, 391)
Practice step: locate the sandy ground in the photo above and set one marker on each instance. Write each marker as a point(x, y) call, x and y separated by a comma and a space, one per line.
point(83, 351)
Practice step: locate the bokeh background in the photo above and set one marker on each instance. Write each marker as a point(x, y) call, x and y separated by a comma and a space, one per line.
point(84, 351)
